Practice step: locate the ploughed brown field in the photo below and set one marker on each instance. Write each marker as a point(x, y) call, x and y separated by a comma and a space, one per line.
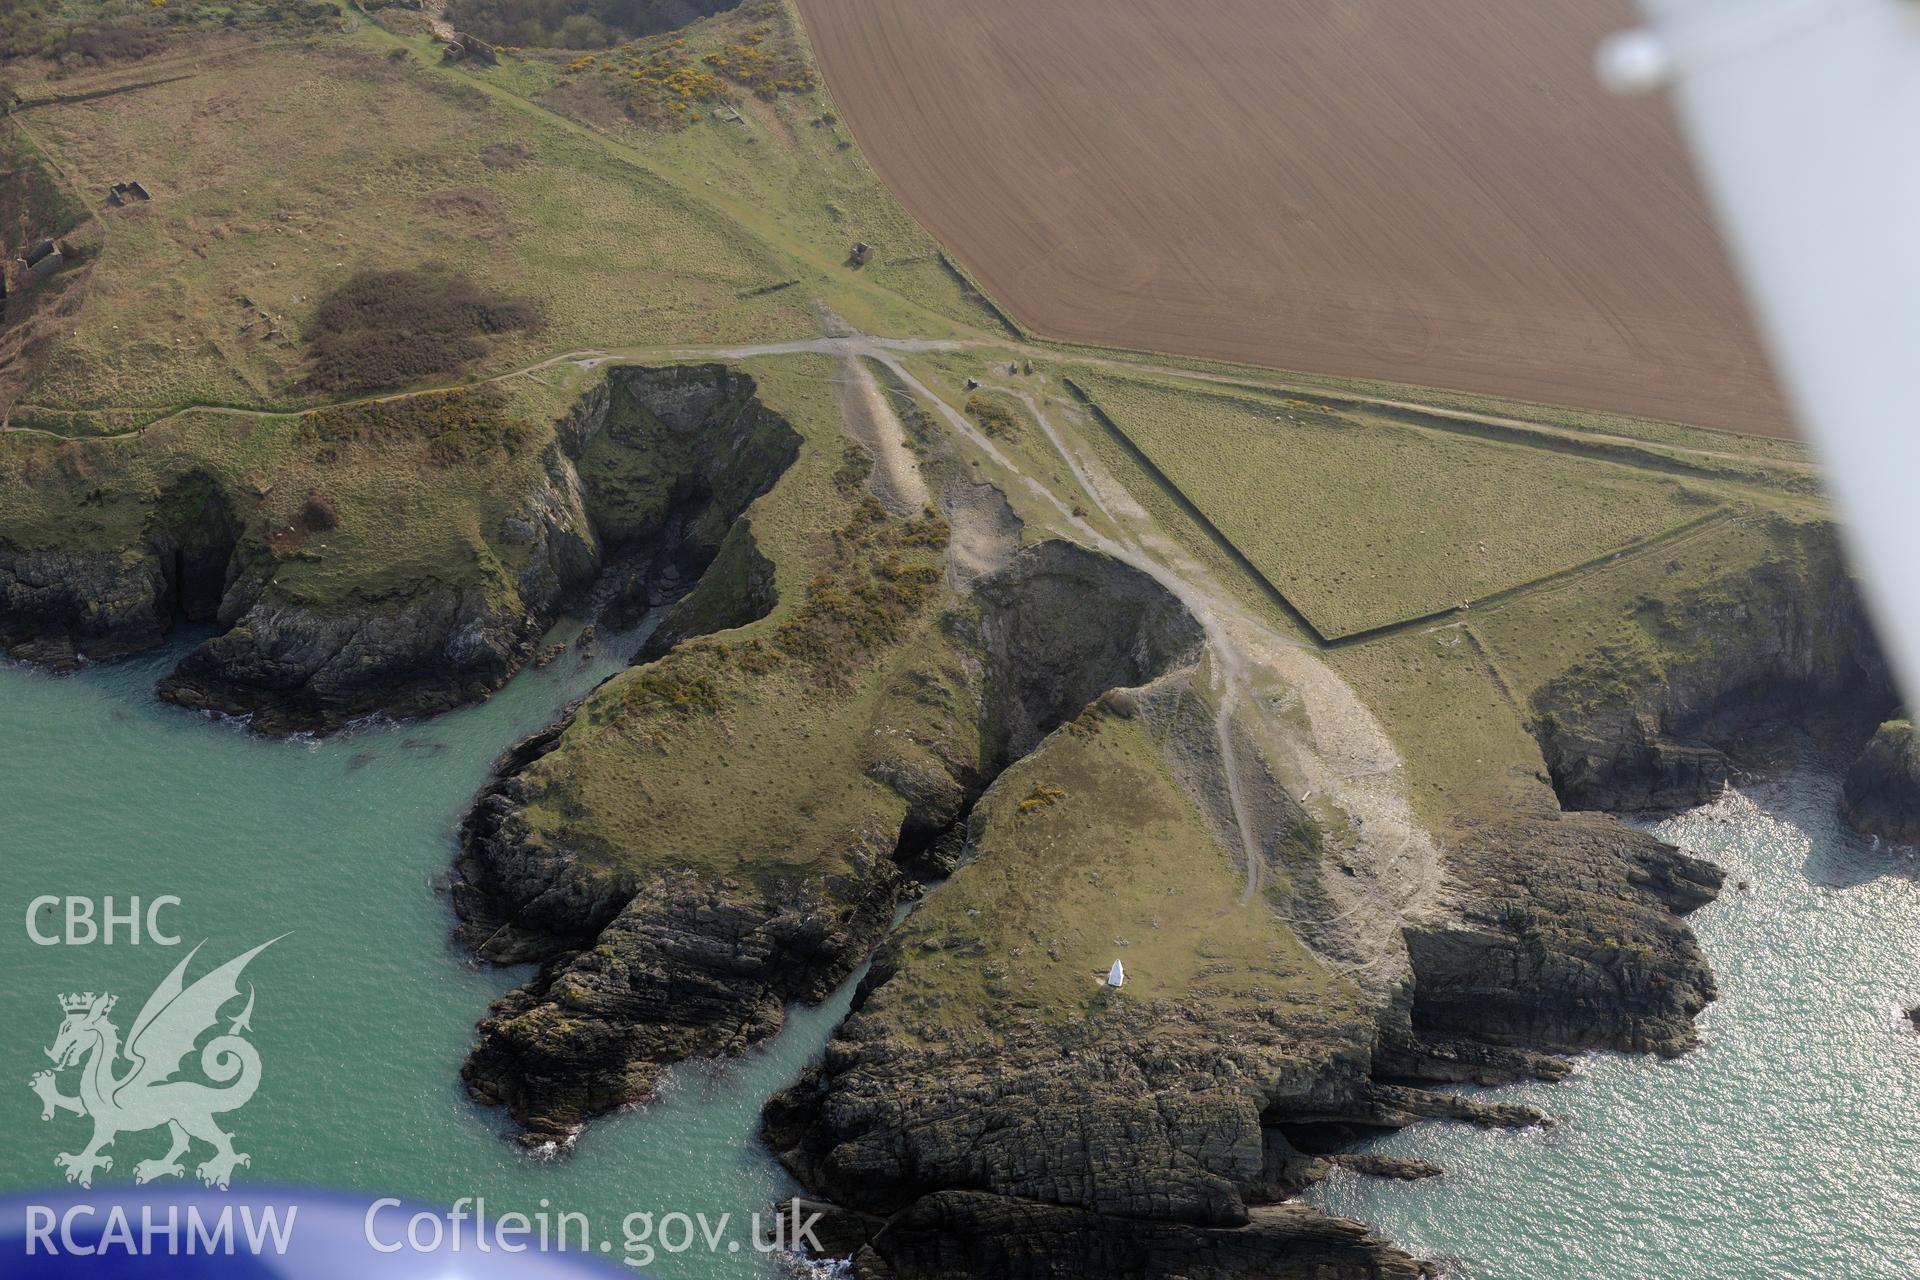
point(1432, 192)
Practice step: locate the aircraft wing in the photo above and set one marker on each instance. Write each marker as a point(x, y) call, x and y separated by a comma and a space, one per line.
point(1803, 117)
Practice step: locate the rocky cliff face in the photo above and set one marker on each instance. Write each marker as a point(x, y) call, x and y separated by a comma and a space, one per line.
point(58, 607)
point(1652, 727)
point(292, 665)
point(1060, 626)
point(685, 448)
point(989, 1108)
point(961, 1235)
point(1883, 786)
point(996, 1127)
point(1563, 932)
point(641, 969)
point(687, 968)
point(737, 588)
point(646, 476)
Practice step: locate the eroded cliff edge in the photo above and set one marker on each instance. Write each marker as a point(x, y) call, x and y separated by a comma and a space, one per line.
point(687, 938)
point(1730, 676)
point(734, 824)
point(1661, 723)
point(405, 557)
point(978, 1121)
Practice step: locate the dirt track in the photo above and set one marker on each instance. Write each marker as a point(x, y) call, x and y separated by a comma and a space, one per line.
point(1434, 194)
point(895, 479)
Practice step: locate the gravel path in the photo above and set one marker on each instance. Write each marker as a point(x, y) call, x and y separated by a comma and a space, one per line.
point(1346, 758)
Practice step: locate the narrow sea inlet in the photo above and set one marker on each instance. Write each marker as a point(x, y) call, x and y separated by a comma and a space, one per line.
point(365, 1010)
point(1786, 1147)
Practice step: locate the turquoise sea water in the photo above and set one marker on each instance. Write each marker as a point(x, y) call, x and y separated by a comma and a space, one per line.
point(1789, 1146)
point(365, 1010)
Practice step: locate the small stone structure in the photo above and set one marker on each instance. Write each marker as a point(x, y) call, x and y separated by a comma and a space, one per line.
point(463, 46)
point(862, 254)
point(44, 259)
point(39, 262)
point(121, 193)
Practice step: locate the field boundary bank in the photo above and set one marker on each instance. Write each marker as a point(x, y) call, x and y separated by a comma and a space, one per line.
point(1117, 433)
point(990, 304)
point(1474, 406)
point(1543, 436)
point(162, 415)
point(1494, 599)
point(1719, 514)
point(1192, 511)
point(92, 95)
point(1552, 441)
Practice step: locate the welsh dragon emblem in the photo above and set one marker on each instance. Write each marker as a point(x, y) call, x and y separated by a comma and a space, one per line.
point(144, 1093)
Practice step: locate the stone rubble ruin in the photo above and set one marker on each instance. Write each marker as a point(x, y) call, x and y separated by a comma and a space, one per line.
point(462, 46)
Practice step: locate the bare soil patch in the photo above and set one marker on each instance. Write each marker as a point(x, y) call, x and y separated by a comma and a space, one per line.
point(481, 212)
point(1434, 194)
point(895, 478)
